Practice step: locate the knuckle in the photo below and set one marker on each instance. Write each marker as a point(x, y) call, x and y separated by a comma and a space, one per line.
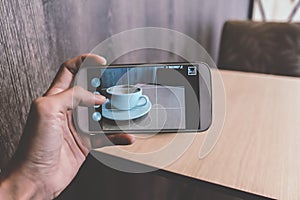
point(65, 64)
point(40, 101)
point(42, 104)
point(78, 93)
point(77, 89)
point(45, 107)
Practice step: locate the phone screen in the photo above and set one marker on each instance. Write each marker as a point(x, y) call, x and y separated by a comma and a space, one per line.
point(145, 98)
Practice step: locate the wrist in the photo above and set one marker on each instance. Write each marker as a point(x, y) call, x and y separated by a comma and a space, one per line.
point(17, 186)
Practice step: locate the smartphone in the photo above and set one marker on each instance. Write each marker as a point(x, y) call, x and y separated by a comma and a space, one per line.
point(143, 98)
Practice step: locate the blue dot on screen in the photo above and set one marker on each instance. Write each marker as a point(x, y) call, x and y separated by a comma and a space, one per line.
point(95, 82)
point(96, 116)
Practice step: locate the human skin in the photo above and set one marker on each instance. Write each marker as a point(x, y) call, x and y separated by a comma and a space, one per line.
point(51, 151)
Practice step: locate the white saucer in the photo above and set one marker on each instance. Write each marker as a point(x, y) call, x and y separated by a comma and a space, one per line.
point(119, 115)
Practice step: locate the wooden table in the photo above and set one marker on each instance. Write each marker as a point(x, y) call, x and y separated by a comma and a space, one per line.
point(259, 147)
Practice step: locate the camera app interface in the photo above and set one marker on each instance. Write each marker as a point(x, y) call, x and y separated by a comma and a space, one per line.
point(144, 97)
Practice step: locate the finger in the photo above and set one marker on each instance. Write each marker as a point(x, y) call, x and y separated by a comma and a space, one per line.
point(82, 140)
point(68, 70)
point(75, 96)
point(121, 139)
point(101, 140)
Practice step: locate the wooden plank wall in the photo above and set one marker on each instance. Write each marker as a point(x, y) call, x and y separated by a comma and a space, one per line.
point(38, 35)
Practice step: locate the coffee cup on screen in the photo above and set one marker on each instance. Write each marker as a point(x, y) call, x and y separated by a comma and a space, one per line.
point(126, 97)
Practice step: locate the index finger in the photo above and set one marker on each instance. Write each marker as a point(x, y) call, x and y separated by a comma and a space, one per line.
point(68, 70)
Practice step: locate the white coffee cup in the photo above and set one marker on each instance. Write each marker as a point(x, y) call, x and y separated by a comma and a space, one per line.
point(126, 97)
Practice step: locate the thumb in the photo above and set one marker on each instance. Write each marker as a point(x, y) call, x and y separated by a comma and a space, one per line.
point(71, 98)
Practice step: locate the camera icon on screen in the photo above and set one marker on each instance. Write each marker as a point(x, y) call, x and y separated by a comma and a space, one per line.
point(192, 71)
